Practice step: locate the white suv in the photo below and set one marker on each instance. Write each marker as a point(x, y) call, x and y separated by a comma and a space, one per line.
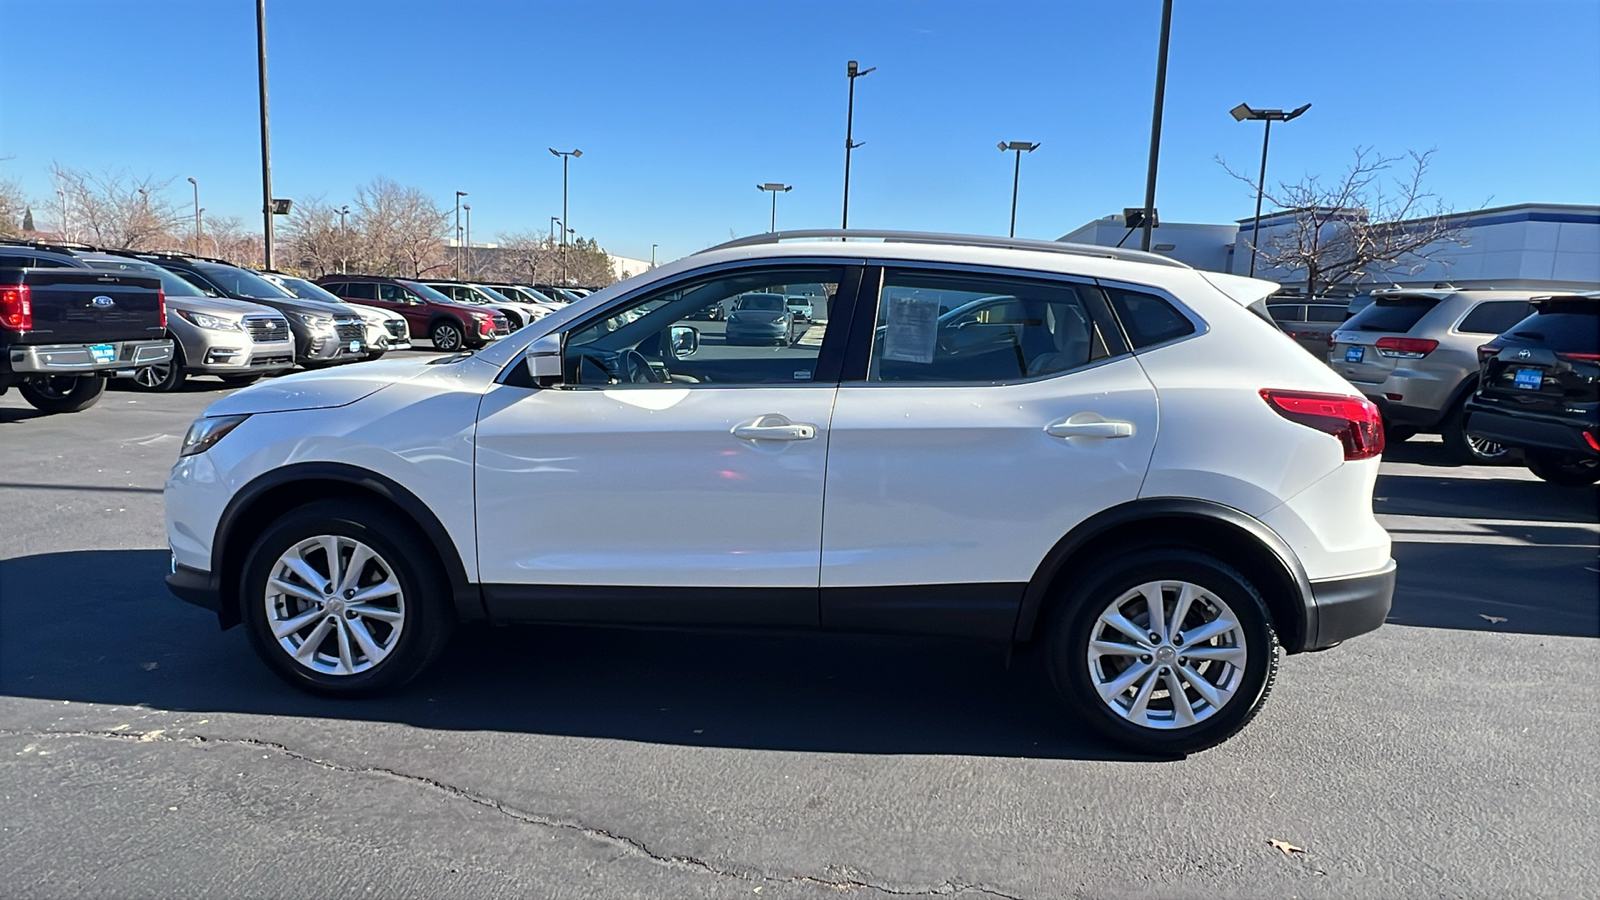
point(1100, 451)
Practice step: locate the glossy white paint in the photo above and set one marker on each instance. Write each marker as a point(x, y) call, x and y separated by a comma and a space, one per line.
point(646, 485)
point(936, 484)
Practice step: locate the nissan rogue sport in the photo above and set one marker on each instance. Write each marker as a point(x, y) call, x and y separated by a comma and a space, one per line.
point(1108, 454)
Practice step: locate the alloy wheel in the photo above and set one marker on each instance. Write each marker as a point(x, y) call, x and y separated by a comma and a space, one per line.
point(1485, 449)
point(334, 605)
point(1167, 655)
point(152, 377)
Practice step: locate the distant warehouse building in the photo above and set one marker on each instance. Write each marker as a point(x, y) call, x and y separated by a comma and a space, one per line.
point(1529, 246)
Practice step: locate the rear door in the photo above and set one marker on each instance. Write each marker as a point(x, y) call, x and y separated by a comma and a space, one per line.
point(84, 306)
point(969, 442)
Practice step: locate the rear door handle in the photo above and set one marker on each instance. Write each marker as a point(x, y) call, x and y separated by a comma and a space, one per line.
point(774, 428)
point(1067, 428)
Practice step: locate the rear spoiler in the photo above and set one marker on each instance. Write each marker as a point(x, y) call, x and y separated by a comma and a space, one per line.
point(1250, 293)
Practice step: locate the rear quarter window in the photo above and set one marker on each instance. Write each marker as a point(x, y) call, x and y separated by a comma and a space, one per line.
point(1148, 319)
point(1392, 314)
point(1495, 316)
point(1287, 313)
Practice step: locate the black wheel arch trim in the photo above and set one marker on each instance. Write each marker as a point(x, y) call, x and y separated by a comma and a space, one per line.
point(466, 596)
point(1296, 636)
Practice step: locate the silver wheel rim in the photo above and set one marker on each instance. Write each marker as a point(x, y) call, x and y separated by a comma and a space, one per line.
point(448, 338)
point(334, 605)
point(1167, 655)
point(152, 376)
point(1485, 449)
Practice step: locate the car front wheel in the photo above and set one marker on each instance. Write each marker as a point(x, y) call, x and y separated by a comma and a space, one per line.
point(340, 601)
point(1166, 651)
point(447, 336)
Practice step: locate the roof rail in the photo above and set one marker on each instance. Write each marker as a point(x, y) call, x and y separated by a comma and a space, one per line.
point(964, 240)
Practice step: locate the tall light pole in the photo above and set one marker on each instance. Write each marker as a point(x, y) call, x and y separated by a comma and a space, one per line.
point(468, 249)
point(196, 215)
point(459, 195)
point(1016, 174)
point(1243, 113)
point(853, 71)
point(344, 239)
point(566, 156)
point(266, 139)
point(1155, 125)
point(775, 188)
point(653, 255)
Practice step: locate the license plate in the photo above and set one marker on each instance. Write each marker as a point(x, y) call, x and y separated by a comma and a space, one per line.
point(1354, 354)
point(1529, 379)
point(103, 353)
point(355, 346)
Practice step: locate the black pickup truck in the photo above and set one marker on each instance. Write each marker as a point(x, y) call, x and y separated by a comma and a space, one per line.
point(62, 330)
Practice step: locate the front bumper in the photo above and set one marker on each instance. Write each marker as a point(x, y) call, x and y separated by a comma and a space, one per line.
point(1529, 431)
point(69, 359)
point(1346, 607)
point(196, 587)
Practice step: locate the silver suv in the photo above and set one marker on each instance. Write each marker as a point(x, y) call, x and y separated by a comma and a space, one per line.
point(1415, 354)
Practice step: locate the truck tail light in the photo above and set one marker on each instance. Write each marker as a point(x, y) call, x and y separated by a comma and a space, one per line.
point(16, 307)
point(1353, 420)
point(1406, 348)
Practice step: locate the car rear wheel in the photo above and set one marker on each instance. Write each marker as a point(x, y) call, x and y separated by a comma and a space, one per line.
point(63, 393)
point(1557, 468)
point(1166, 651)
point(447, 336)
point(342, 600)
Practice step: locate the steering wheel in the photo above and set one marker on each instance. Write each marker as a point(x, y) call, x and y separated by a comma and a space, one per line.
point(636, 369)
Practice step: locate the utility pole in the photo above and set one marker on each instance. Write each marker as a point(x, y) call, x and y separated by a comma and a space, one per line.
point(459, 195)
point(344, 239)
point(196, 216)
point(1155, 125)
point(775, 188)
point(1243, 113)
point(468, 248)
point(853, 71)
point(266, 139)
point(653, 255)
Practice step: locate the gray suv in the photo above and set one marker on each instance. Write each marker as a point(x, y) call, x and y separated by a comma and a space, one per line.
point(1415, 354)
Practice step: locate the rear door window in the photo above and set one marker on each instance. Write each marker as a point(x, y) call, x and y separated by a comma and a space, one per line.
point(1284, 312)
point(360, 290)
point(1495, 316)
point(1396, 315)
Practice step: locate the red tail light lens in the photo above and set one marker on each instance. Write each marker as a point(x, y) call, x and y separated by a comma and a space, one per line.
point(1579, 357)
point(16, 307)
point(161, 305)
point(1488, 352)
point(1592, 441)
point(1353, 420)
point(1406, 348)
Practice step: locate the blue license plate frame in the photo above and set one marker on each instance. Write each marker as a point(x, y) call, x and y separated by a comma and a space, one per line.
point(1528, 379)
point(1355, 354)
point(103, 353)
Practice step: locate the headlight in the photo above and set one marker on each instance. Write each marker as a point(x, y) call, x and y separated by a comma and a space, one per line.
point(315, 321)
point(204, 433)
point(211, 322)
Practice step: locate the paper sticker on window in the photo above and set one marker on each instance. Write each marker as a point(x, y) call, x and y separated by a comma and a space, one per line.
point(802, 374)
point(911, 329)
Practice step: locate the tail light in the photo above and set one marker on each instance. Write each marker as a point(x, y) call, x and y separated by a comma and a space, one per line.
point(1353, 420)
point(16, 307)
point(1406, 348)
point(1592, 441)
point(1488, 351)
point(161, 306)
point(1579, 357)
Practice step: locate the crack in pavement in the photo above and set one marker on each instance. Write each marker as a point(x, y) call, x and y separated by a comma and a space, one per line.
point(632, 846)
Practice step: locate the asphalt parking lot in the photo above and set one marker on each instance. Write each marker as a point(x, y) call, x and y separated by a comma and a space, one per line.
point(145, 753)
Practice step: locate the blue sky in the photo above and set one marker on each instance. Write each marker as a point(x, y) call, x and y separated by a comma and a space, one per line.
point(682, 108)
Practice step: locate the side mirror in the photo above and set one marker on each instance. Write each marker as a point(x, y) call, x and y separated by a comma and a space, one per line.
point(684, 341)
point(543, 359)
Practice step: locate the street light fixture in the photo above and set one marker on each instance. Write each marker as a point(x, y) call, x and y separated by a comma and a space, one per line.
point(775, 188)
point(653, 255)
point(566, 155)
point(853, 71)
point(1019, 147)
point(196, 215)
point(1243, 113)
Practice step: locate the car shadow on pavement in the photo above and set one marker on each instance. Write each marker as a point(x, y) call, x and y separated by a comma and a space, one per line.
point(1483, 498)
point(8, 415)
point(99, 626)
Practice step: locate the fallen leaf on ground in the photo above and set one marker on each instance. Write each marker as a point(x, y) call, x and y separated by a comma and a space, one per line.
point(1493, 620)
point(1285, 846)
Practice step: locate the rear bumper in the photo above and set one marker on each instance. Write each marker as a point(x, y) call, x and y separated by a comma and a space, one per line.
point(1346, 607)
point(1401, 414)
point(69, 359)
point(1528, 431)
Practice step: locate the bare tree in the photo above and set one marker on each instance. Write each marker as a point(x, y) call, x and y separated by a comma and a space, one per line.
point(114, 208)
point(588, 265)
point(527, 256)
point(402, 231)
point(226, 238)
point(1360, 225)
point(313, 240)
point(13, 207)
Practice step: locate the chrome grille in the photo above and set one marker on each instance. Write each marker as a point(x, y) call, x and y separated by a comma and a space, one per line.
point(266, 329)
point(349, 329)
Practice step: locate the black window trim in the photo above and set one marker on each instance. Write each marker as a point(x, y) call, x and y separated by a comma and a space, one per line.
point(1201, 327)
point(830, 356)
point(863, 328)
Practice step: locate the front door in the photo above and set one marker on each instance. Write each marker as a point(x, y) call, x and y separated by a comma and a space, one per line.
point(672, 476)
point(997, 412)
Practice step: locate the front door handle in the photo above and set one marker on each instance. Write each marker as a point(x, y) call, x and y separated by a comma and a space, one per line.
point(774, 428)
point(1098, 428)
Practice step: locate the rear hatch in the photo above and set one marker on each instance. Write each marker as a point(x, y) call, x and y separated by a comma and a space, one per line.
point(1368, 347)
point(84, 306)
point(1548, 362)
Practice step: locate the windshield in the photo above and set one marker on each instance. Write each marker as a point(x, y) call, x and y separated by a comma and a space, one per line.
point(238, 282)
point(305, 290)
point(425, 292)
point(171, 284)
point(493, 295)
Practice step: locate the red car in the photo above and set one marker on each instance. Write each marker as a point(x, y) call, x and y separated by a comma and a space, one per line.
point(450, 325)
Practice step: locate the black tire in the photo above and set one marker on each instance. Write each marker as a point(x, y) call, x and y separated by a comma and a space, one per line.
point(236, 381)
point(1557, 468)
point(427, 620)
point(447, 335)
point(1079, 610)
point(162, 379)
point(63, 393)
point(1463, 449)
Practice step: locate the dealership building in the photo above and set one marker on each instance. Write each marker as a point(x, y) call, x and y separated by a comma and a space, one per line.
point(1528, 246)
